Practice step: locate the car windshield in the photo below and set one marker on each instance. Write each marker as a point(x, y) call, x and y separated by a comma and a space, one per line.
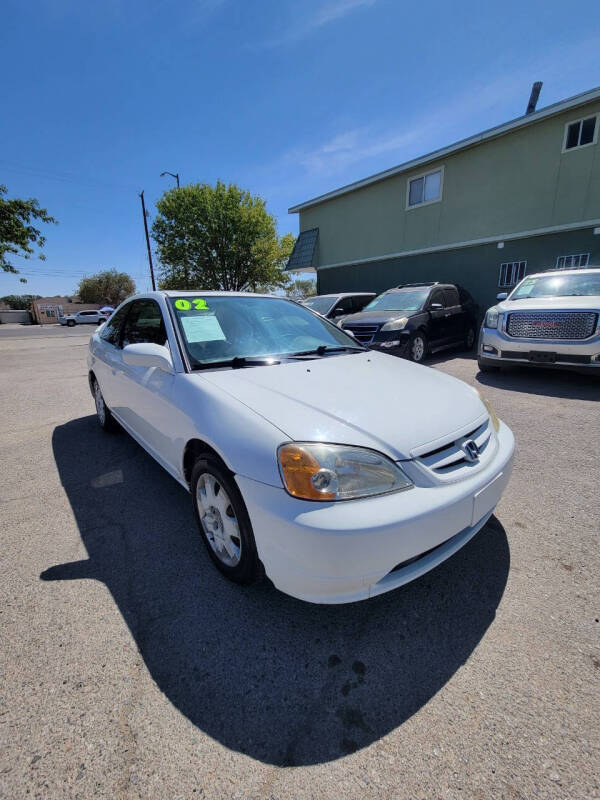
point(321, 304)
point(558, 286)
point(403, 300)
point(222, 328)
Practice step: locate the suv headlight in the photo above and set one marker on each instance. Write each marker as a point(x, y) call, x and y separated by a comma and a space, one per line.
point(491, 318)
point(395, 324)
point(490, 409)
point(326, 472)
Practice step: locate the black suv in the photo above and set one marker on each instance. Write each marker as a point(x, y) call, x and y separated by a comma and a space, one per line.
point(416, 319)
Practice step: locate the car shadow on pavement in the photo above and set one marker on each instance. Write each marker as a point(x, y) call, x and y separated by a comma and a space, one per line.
point(286, 682)
point(546, 382)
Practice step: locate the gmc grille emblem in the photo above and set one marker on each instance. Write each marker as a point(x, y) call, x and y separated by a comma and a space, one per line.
point(470, 450)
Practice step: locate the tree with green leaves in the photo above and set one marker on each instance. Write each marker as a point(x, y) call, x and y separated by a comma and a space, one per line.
point(109, 287)
point(301, 288)
point(219, 237)
point(19, 302)
point(18, 236)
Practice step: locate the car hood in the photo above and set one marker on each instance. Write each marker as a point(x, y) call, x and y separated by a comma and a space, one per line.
point(376, 317)
point(550, 304)
point(367, 399)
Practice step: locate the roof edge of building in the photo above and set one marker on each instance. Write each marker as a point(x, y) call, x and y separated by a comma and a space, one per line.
point(462, 144)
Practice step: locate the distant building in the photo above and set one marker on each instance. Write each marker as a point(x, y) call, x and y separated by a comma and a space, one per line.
point(47, 310)
point(515, 199)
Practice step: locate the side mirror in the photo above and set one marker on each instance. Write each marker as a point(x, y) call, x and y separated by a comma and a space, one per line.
point(435, 307)
point(502, 296)
point(339, 312)
point(148, 355)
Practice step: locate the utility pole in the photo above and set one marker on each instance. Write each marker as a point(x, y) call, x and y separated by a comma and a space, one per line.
point(148, 242)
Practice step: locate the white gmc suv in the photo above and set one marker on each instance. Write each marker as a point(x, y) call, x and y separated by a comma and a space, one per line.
point(551, 318)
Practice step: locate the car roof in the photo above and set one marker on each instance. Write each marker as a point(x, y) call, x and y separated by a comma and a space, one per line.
point(210, 293)
point(343, 294)
point(587, 271)
point(421, 286)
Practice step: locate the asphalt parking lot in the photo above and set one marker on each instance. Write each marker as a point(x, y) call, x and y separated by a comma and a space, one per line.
point(130, 668)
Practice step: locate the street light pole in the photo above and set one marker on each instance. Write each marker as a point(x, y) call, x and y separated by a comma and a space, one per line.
point(173, 175)
point(148, 242)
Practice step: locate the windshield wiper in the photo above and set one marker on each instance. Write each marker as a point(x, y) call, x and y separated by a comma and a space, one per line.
point(322, 349)
point(238, 362)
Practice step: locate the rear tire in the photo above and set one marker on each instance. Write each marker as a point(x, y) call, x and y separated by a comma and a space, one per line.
point(417, 347)
point(223, 521)
point(106, 420)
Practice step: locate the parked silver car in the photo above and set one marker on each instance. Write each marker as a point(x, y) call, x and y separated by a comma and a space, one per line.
point(551, 318)
point(83, 318)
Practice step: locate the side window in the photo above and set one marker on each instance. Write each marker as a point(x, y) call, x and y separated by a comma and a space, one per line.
point(358, 303)
point(343, 306)
point(437, 297)
point(144, 324)
point(451, 297)
point(111, 332)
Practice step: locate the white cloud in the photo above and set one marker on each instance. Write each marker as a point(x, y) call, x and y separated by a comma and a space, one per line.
point(336, 10)
point(307, 19)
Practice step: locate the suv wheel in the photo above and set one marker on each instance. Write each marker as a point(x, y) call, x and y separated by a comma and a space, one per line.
point(417, 347)
point(71, 323)
point(485, 367)
point(470, 337)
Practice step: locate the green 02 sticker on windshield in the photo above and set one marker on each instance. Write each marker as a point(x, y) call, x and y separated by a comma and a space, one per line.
point(198, 303)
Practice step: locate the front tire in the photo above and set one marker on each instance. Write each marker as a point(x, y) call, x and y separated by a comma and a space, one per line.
point(223, 521)
point(70, 323)
point(417, 347)
point(485, 367)
point(105, 418)
point(470, 337)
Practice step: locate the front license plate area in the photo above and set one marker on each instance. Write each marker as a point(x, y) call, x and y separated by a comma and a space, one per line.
point(487, 498)
point(542, 357)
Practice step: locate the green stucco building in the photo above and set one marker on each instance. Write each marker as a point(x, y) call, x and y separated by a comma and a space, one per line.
point(515, 199)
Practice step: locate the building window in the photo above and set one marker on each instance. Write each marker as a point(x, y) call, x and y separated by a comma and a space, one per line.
point(573, 262)
point(580, 133)
point(425, 189)
point(511, 273)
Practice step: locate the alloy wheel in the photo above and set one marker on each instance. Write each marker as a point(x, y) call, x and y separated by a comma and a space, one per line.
point(100, 406)
point(418, 348)
point(218, 519)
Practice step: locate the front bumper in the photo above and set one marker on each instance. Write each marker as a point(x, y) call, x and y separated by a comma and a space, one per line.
point(353, 550)
point(496, 347)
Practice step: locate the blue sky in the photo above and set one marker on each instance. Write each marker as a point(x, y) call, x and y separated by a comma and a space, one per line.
point(288, 99)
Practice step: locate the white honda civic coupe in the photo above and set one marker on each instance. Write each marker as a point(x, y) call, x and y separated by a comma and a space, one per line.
point(339, 472)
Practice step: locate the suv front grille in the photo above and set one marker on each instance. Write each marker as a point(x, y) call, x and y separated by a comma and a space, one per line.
point(362, 333)
point(551, 324)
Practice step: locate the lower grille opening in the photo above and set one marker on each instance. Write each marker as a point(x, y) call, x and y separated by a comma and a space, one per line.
point(419, 557)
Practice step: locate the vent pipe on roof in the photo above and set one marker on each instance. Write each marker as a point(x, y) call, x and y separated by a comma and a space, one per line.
point(533, 97)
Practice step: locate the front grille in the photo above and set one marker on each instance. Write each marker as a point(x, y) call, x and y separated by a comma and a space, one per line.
point(551, 324)
point(449, 460)
point(362, 333)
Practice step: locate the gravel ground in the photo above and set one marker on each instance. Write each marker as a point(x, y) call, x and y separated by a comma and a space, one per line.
point(131, 669)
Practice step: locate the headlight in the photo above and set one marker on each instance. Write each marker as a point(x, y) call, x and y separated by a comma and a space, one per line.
point(490, 409)
point(317, 471)
point(491, 318)
point(395, 324)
